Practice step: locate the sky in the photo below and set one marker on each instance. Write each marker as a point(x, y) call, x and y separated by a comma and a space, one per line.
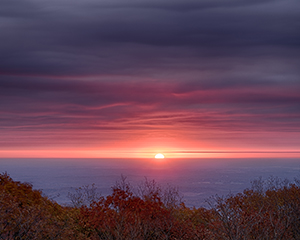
point(115, 78)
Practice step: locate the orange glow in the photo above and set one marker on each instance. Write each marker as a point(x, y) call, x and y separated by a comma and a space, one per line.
point(144, 153)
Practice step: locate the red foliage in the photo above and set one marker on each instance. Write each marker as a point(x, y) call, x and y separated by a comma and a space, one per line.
point(270, 214)
point(125, 216)
point(26, 214)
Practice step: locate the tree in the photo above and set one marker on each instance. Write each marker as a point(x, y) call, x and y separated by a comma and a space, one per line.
point(270, 210)
point(26, 214)
point(125, 215)
point(84, 196)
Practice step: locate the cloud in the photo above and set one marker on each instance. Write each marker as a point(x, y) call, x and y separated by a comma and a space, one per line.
point(63, 37)
point(110, 66)
point(115, 101)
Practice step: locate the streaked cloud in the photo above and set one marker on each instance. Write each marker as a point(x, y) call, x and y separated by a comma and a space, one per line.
point(96, 72)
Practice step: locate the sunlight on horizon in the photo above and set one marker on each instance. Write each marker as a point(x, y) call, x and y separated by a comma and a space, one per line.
point(144, 153)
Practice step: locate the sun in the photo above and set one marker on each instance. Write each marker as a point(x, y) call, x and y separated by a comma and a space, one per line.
point(159, 155)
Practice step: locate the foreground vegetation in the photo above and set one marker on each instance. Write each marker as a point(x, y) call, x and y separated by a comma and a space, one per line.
point(269, 210)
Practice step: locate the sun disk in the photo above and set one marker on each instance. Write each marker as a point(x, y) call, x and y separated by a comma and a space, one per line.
point(159, 155)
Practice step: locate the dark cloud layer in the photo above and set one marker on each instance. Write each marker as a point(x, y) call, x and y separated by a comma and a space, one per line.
point(66, 38)
point(115, 66)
